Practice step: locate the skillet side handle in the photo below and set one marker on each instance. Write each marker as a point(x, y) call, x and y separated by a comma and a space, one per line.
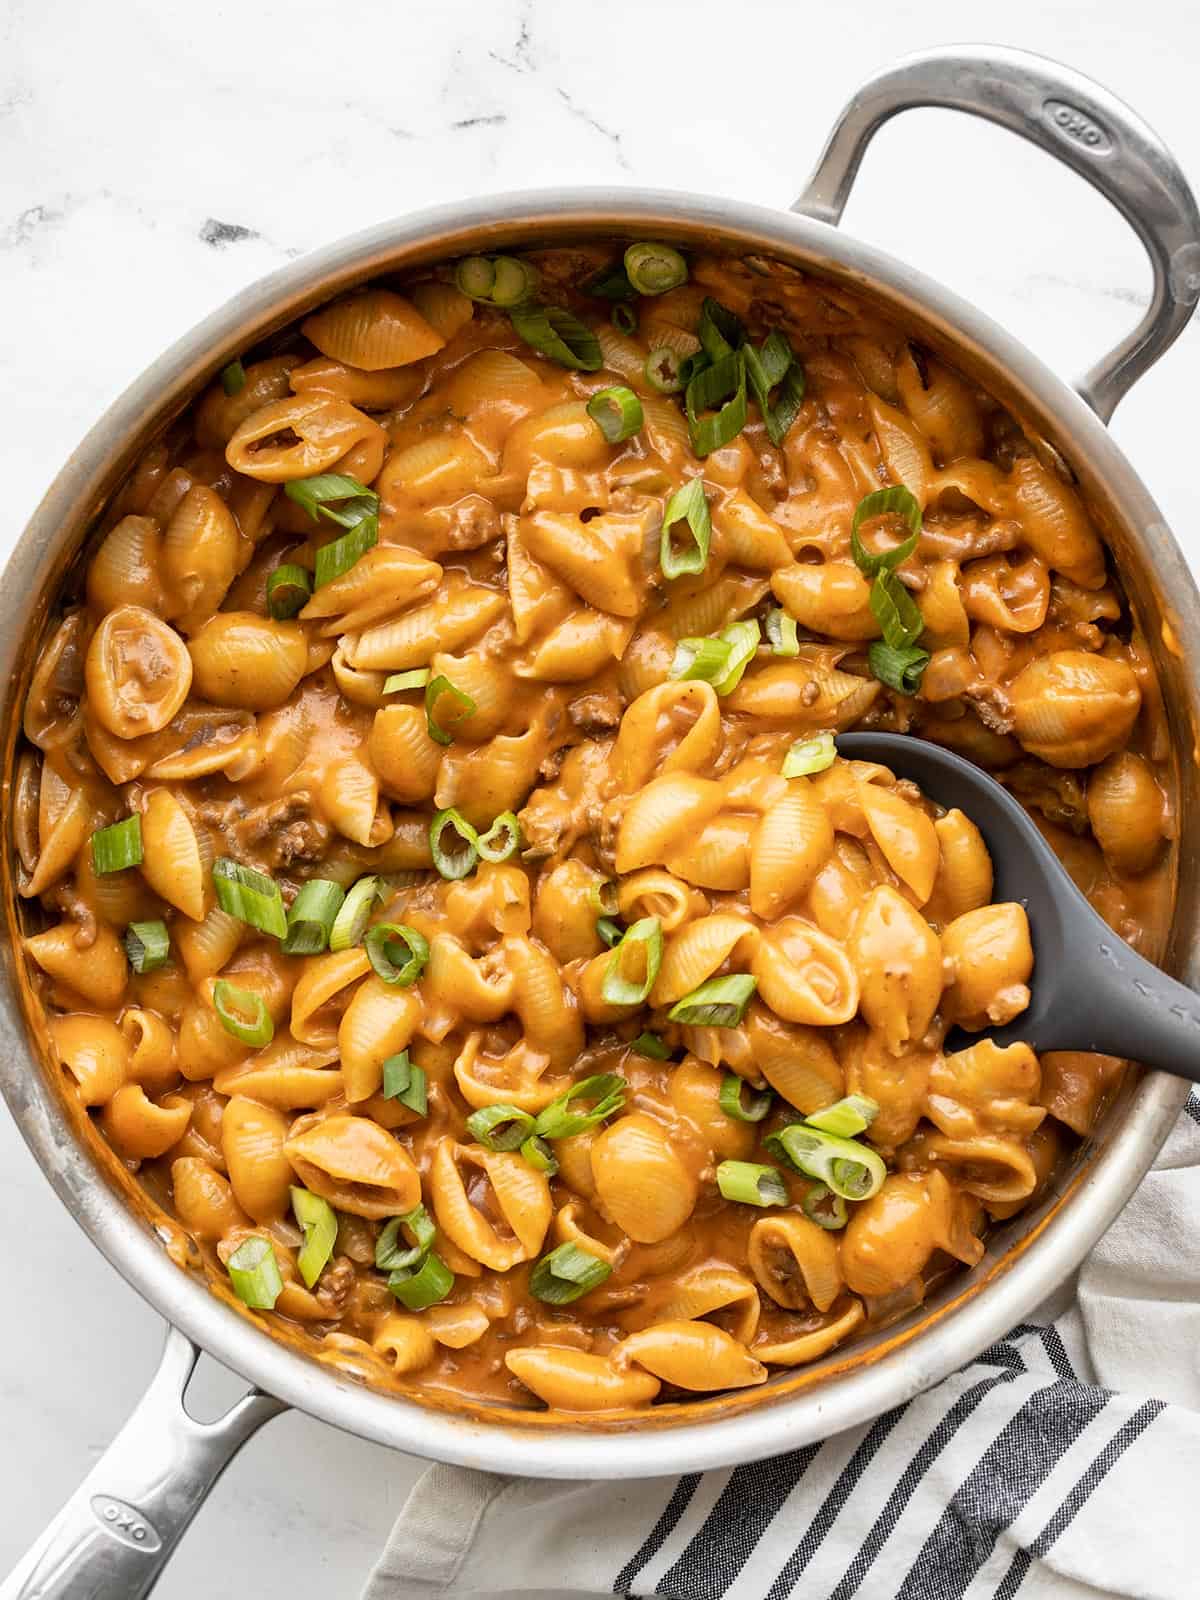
point(1071, 118)
point(119, 1529)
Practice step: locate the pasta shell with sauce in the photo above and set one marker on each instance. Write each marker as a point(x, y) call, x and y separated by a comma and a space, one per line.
point(127, 568)
point(402, 753)
point(370, 391)
point(200, 556)
point(138, 672)
point(325, 432)
point(378, 1023)
point(698, 950)
point(94, 1052)
point(97, 970)
point(573, 1380)
point(833, 599)
point(380, 583)
point(790, 845)
point(239, 659)
point(520, 1194)
point(176, 861)
point(804, 976)
point(253, 1137)
point(795, 1261)
point(905, 835)
point(1072, 708)
point(898, 958)
point(372, 329)
point(1127, 812)
point(646, 1188)
point(354, 1164)
point(446, 309)
point(662, 814)
point(405, 1341)
point(140, 1129)
point(691, 1355)
point(219, 415)
point(204, 1199)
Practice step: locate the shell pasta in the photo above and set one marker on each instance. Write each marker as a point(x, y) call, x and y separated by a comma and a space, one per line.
point(443, 893)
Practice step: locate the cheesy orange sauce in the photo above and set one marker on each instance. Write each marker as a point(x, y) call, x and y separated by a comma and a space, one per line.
point(518, 556)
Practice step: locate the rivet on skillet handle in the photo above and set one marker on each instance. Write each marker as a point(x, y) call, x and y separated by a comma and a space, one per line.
point(1072, 118)
point(119, 1529)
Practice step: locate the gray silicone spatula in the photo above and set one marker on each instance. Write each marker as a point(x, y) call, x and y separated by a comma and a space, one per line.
point(1090, 990)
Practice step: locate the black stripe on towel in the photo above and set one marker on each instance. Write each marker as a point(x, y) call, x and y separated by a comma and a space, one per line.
point(745, 1509)
point(1073, 1504)
point(1051, 1339)
point(1007, 1475)
point(662, 1530)
point(1192, 1106)
point(910, 1481)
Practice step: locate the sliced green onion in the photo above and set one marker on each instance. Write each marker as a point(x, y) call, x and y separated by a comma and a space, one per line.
point(719, 1003)
point(429, 1284)
point(475, 276)
point(338, 557)
point(232, 1006)
point(434, 690)
point(254, 1273)
point(642, 942)
point(147, 944)
point(565, 1274)
point(322, 494)
point(611, 932)
point(662, 370)
point(703, 659)
point(617, 412)
point(853, 1114)
point(901, 670)
point(606, 1091)
point(513, 281)
point(539, 1155)
point(896, 612)
point(558, 335)
point(691, 366)
point(822, 1206)
point(810, 755)
point(353, 914)
point(500, 1127)
point(753, 1109)
point(850, 1169)
point(288, 590)
point(624, 319)
point(781, 632)
point(250, 896)
point(773, 365)
point(233, 378)
point(390, 1255)
point(743, 639)
point(397, 953)
point(752, 1184)
point(463, 855)
point(654, 268)
point(610, 283)
point(118, 847)
point(686, 505)
point(720, 330)
point(603, 898)
point(880, 502)
point(502, 840)
point(311, 917)
point(319, 1221)
point(651, 1046)
point(406, 1082)
point(414, 678)
point(716, 404)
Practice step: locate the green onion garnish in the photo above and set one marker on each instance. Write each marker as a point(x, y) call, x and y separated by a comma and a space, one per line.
point(686, 505)
point(500, 1127)
point(565, 1274)
point(773, 365)
point(640, 944)
point(610, 283)
point(617, 412)
point(719, 1003)
point(743, 639)
point(822, 1206)
point(147, 944)
point(850, 1169)
point(233, 378)
point(474, 276)
point(502, 281)
point(721, 661)
point(338, 557)
point(319, 1221)
point(118, 847)
point(716, 404)
point(463, 855)
point(651, 1046)
point(720, 330)
point(353, 913)
point(502, 840)
point(654, 268)
point(847, 1117)
point(323, 494)
point(288, 590)
point(250, 896)
point(901, 670)
point(781, 635)
point(624, 319)
point(610, 930)
point(559, 336)
point(414, 678)
point(662, 370)
point(539, 1155)
point(606, 1091)
point(397, 953)
point(752, 1184)
point(406, 1082)
point(434, 691)
point(732, 1104)
point(692, 365)
point(254, 1273)
point(810, 755)
point(390, 1255)
point(311, 917)
point(234, 1005)
point(430, 1283)
point(879, 503)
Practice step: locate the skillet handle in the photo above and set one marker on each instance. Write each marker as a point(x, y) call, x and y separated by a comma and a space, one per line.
point(119, 1529)
point(1084, 126)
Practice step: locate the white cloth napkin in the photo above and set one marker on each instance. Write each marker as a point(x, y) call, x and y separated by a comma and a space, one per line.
point(1061, 1465)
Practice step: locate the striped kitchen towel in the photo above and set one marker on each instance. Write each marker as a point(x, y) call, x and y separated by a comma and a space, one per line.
point(1061, 1464)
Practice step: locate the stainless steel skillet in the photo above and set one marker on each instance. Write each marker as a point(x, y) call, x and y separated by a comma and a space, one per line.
point(113, 1537)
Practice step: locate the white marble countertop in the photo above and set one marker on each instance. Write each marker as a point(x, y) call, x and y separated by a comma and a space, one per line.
point(154, 158)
